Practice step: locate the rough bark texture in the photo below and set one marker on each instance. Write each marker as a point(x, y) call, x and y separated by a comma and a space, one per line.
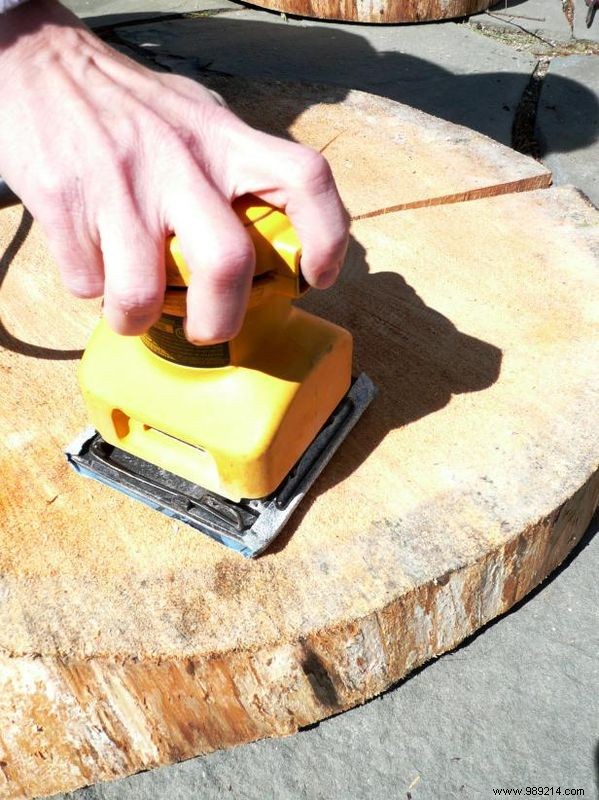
point(127, 640)
point(373, 11)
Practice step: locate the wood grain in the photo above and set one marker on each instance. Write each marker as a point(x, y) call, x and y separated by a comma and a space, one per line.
point(381, 12)
point(127, 640)
point(385, 155)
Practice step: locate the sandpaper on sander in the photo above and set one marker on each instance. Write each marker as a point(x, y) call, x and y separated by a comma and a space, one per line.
point(229, 437)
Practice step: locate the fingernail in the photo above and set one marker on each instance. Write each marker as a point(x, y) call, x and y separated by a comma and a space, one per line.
point(327, 279)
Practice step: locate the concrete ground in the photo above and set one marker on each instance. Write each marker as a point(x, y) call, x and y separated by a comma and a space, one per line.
point(518, 705)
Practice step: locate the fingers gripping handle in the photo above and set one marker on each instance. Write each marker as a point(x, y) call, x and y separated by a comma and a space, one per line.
point(278, 250)
point(278, 254)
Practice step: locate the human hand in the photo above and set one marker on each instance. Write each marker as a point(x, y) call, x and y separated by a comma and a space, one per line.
point(111, 158)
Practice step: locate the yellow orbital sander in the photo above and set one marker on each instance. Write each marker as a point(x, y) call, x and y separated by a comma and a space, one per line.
point(228, 437)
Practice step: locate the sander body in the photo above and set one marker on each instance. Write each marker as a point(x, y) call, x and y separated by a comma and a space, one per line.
point(225, 437)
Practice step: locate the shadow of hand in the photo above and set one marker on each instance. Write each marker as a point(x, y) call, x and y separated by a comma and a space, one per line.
point(416, 357)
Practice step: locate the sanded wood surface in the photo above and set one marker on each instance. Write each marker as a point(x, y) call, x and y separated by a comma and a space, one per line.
point(379, 10)
point(128, 640)
point(385, 155)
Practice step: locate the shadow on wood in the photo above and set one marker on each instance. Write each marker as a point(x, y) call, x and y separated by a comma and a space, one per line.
point(7, 340)
point(343, 58)
point(415, 355)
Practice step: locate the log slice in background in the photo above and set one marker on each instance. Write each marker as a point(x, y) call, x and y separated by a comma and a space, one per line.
point(128, 640)
point(378, 11)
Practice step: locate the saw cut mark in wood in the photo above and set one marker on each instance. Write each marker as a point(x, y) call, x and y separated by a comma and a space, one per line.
point(128, 640)
point(385, 155)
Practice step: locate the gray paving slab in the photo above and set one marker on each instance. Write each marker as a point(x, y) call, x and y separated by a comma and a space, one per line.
point(114, 12)
point(544, 18)
point(580, 29)
point(444, 69)
point(518, 706)
point(567, 127)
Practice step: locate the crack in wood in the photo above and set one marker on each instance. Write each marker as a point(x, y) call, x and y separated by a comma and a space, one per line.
point(524, 127)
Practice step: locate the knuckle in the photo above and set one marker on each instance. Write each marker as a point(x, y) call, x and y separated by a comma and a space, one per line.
point(84, 286)
point(57, 194)
point(50, 187)
point(231, 266)
point(60, 209)
point(309, 169)
point(219, 98)
point(136, 301)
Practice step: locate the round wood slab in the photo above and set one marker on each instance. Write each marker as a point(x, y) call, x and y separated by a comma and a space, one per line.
point(128, 640)
point(383, 11)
